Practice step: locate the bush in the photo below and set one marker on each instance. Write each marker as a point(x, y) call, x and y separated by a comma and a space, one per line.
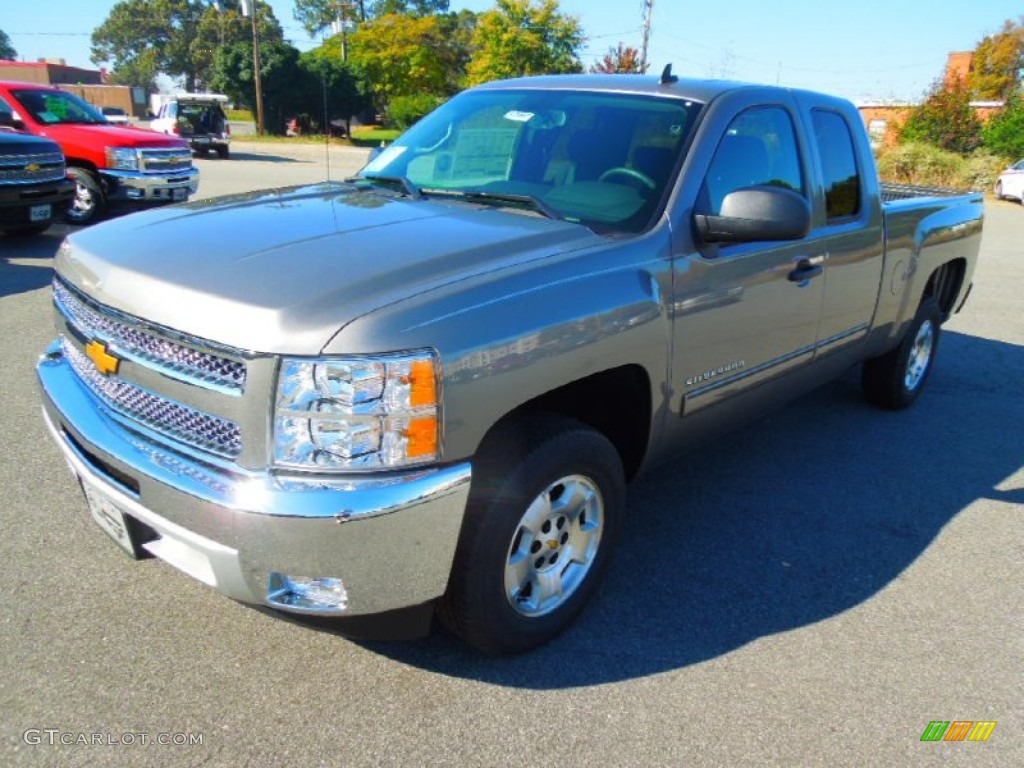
point(1004, 133)
point(945, 120)
point(403, 111)
point(928, 166)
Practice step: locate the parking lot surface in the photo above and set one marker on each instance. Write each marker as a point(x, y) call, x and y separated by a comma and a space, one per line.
point(811, 591)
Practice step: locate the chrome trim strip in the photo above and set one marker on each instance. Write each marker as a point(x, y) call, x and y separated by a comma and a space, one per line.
point(176, 357)
point(748, 372)
point(843, 335)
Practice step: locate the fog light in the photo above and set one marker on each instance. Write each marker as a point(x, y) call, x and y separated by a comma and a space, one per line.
point(321, 595)
point(136, 194)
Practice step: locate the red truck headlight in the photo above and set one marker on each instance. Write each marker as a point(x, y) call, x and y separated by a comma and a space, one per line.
point(357, 413)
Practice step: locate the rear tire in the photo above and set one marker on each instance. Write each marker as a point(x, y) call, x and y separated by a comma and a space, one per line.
point(544, 513)
point(894, 380)
point(89, 201)
point(223, 152)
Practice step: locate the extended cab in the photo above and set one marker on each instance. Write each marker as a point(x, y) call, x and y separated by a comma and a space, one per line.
point(425, 389)
point(109, 163)
point(34, 188)
point(199, 119)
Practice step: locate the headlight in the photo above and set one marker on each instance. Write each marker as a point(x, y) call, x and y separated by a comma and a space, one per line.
point(359, 413)
point(122, 159)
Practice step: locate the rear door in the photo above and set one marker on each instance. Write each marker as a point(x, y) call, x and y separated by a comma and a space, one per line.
point(848, 226)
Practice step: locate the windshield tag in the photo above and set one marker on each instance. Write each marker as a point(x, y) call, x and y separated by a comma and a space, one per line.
point(519, 117)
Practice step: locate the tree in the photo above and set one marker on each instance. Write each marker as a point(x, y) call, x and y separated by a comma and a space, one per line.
point(524, 37)
point(285, 88)
point(403, 55)
point(142, 38)
point(622, 59)
point(945, 120)
point(317, 15)
point(7, 51)
point(1004, 133)
point(998, 60)
point(334, 88)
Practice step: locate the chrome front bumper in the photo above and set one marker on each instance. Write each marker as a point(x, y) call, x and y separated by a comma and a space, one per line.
point(145, 187)
point(390, 539)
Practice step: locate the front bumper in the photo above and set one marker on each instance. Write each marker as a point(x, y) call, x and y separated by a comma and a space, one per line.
point(390, 540)
point(17, 200)
point(150, 187)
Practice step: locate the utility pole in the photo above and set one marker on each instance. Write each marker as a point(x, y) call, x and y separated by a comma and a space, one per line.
point(646, 27)
point(249, 9)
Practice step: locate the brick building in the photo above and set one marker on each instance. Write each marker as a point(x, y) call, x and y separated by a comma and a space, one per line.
point(88, 84)
point(883, 119)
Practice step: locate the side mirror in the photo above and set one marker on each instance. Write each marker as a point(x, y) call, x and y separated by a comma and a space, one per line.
point(756, 213)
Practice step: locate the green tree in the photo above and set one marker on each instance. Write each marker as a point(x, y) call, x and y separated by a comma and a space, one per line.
point(524, 37)
point(622, 59)
point(998, 61)
point(403, 55)
point(944, 120)
point(142, 38)
point(6, 49)
point(317, 15)
point(1004, 133)
point(334, 89)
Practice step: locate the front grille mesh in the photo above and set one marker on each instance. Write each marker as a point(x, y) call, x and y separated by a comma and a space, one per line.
point(202, 430)
point(176, 360)
point(15, 169)
point(166, 160)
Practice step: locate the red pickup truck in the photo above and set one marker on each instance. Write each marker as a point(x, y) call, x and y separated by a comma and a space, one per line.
point(109, 163)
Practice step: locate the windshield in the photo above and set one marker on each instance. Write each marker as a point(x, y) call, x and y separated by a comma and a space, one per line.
point(57, 108)
point(598, 158)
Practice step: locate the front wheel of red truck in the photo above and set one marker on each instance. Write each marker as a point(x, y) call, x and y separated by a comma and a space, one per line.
point(89, 200)
point(545, 510)
point(894, 380)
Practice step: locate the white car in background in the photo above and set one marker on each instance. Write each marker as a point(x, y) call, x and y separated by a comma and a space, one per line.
point(1011, 182)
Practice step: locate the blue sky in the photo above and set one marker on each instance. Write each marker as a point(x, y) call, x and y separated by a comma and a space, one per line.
point(868, 50)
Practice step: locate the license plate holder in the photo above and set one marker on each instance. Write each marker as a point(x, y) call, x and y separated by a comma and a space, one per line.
point(114, 522)
point(179, 194)
point(40, 212)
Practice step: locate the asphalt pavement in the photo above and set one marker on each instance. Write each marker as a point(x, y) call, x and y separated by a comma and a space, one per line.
point(811, 591)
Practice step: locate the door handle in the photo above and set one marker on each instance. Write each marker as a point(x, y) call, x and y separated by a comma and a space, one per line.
point(805, 270)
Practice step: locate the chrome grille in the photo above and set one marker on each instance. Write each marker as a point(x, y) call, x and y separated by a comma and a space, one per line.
point(202, 430)
point(165, 160)
point(31, 169)
point(179, 361)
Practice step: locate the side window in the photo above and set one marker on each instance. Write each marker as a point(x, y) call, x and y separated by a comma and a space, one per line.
point(838, 165)
point(759, 148)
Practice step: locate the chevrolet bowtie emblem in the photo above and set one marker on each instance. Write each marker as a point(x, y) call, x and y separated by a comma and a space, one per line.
point(105, 362)
point(32, 167)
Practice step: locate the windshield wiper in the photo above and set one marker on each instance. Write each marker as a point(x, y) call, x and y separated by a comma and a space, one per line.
point(529, 202)
point(401, 181)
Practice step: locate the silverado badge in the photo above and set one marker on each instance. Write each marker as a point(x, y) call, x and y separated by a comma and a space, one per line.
point(105, 362)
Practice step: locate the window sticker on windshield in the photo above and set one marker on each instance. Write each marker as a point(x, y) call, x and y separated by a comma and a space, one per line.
point(519, 117)
point(48, 117)
point(386, 156)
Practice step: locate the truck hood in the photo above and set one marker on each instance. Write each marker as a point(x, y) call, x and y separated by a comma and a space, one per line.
point(96, 137)
point(281, 271)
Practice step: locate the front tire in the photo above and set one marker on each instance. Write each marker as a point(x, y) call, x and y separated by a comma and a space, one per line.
point(89, 201)
point(894, 380)
point(544, 513)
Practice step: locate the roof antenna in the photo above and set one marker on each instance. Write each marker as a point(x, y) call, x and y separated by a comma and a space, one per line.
point(666, 75)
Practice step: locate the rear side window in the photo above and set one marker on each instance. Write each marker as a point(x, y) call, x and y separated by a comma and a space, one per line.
point(838, 164)
point(759, 148)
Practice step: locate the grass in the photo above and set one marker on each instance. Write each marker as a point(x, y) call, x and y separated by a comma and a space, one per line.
point(372, 136)
point(361, 137)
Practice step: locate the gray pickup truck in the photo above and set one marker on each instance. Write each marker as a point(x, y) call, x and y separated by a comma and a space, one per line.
point(422, 391)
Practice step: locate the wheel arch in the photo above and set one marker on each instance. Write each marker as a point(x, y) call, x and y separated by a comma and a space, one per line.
point(616, 402)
